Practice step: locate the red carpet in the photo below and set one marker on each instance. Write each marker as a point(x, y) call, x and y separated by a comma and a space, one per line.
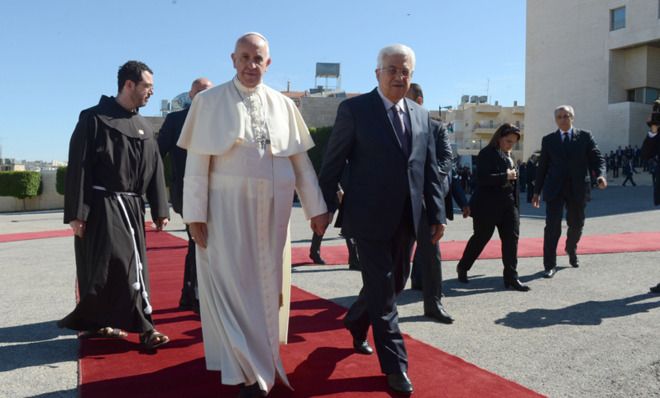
point(318, 358)
point(527, 247)
point(35, 235)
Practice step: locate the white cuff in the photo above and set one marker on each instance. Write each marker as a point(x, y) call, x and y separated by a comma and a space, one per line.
point(195, 199)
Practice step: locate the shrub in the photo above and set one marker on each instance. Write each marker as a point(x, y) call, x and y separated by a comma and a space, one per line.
point(59, 179)
point(20, 184)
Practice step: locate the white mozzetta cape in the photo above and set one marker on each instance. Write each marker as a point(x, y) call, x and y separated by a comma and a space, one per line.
point(218, 117)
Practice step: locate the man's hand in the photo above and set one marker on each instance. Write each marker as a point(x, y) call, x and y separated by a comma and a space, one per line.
point(466, 211)
point(78, 227)
point(161, 223)
point(511, 174)
point(536, 200)
point(199, 233)
point(320, 223)
point(602, 182)
point(437, 231)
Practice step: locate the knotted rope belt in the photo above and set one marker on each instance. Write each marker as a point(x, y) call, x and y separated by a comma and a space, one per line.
point(139, 284)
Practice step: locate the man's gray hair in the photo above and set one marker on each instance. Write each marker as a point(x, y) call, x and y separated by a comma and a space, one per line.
point(396, 49)
point(566, 108)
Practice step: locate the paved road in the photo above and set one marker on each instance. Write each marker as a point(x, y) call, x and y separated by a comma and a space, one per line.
point(589, 332)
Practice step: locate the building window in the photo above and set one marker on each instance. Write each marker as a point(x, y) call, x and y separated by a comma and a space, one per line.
point(618, 18)
point(645, 95)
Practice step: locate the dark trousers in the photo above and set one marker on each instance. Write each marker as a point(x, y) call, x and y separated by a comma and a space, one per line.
point(629, 177)
point(385, 268)
point(188, 292)
point(315, 248)
point(508, 227)
point(427, 266)
point(530, 192)
point(554, 210)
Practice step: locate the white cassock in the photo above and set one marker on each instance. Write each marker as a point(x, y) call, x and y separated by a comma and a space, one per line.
point(242, 187)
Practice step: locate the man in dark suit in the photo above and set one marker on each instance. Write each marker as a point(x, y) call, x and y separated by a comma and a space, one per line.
point(568, 157)
point(386, 141)
point(651, 150)
point(167, 138)
point(426, 272)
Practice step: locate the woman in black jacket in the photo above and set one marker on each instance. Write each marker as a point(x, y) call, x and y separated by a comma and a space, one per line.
point(494, 204)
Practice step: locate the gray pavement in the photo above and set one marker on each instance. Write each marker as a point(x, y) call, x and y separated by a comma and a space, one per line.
point(589, 332)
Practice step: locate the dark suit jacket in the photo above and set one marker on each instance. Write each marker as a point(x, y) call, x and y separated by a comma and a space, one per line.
point(167, 139)
point(456, 193)
point(557, 165)
point(381, 178)
point(494, 193)
point(651, 148)
point(443, 154)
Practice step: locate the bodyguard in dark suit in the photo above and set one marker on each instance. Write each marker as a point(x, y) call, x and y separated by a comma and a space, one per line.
point(495, 204)
point(568, 156)
point(651, 149)
point(387, 142)
point(167, 139)
point(426, 272)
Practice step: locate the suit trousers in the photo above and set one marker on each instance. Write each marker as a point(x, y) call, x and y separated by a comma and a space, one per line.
point(189, 290)
point(315, 247)
point(554, 210)
point(427, 266)
point(508, 227)
point(385, 265)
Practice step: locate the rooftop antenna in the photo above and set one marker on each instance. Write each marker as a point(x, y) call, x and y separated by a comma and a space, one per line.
point(487, 88)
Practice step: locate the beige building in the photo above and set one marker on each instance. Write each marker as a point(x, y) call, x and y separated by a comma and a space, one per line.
point(473, 125)
point(600, 56)
point(318, 109)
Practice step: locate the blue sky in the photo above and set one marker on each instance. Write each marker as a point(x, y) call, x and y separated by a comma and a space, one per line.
point(58, 57)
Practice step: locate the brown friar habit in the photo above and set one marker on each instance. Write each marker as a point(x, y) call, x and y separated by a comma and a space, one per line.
point(113, 161)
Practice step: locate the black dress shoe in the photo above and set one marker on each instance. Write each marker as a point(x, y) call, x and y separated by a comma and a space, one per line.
point(655, 289)
point(462, 275)
point(439, 313)
point(400, 382)
point(516, 285)
point(316, 258)
point(573, 259)
point(251, 391)
point(549, 273)
point(362, 347)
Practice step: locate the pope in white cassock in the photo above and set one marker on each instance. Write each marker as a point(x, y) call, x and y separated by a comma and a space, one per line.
point(247, 152)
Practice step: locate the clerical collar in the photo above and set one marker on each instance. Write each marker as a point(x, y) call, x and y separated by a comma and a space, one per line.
point(241, 87)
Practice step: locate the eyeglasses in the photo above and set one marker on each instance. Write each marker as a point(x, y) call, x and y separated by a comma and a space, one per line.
point(564, 116)
point(393, 71)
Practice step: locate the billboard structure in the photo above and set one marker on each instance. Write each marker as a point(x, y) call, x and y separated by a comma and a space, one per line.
point(330, 72)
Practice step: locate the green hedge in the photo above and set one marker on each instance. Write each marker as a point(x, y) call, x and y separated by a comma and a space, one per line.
point(59, 179)
point(20, 184)
point(320, 136)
